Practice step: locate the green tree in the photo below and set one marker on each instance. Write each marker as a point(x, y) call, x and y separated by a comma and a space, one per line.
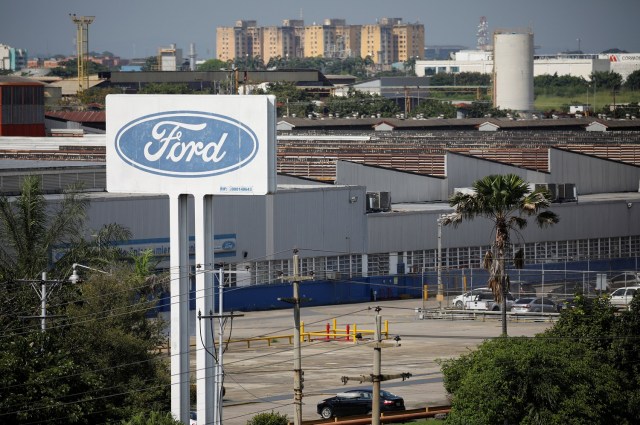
point(633, 81)
point(97, 363)
point(152, 418)
point(461, 79)
point(166, 88)
point(70, 68)
point(212, 65)
point(269, 419)
point(435, 108)
point(360, 103)
point(504, 200)
point(612, 337)
point(150, 64)
point(97, 95)
point(533, 381)
point(606, 80)
point(483, 109)
point(290, 99)
point(98, 359)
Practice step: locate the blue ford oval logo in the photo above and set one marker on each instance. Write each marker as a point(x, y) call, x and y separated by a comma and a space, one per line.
point(186, 144)
point(228, 245)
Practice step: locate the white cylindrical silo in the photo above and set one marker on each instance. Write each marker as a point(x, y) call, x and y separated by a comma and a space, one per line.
point(513, 70)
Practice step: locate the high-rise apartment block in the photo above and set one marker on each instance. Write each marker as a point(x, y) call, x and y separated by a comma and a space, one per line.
point(388, 41)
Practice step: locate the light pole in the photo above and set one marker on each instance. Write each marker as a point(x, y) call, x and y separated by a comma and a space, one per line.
point(440, 296)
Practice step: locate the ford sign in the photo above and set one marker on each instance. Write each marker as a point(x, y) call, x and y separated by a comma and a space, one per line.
point(186, 144)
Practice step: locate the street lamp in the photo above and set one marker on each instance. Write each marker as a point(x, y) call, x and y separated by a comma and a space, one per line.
point(75, 278)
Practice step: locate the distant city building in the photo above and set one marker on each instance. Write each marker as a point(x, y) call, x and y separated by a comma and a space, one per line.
point(12, 59)
point(387, 41)
point(170, 58)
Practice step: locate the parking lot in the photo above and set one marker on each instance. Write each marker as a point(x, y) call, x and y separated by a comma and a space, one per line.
point(260, 378)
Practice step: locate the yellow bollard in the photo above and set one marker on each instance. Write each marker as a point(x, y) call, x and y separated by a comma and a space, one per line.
point(335, 328)
point(355, 331)
point(386, 329)
point(301, 331)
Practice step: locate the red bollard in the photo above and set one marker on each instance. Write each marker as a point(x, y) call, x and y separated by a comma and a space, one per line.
point(328, 330)
point(348, 338)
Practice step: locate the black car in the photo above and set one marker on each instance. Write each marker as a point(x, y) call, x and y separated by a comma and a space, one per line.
point(357, 402)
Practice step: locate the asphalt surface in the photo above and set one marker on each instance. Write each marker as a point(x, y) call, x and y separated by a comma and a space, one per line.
point(260, 378)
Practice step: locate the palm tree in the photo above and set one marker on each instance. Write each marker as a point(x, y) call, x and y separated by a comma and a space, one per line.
point(30, 229)
point(505, 200)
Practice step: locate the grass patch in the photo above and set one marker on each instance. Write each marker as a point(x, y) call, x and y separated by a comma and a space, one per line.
point(544, 102)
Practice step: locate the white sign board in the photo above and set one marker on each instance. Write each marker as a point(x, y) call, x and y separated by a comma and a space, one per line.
point(191, 144)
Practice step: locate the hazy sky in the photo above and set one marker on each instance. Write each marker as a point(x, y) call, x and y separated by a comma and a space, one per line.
point(136, 28)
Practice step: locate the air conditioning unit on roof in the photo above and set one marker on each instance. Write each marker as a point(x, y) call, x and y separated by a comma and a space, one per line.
point(378, 201)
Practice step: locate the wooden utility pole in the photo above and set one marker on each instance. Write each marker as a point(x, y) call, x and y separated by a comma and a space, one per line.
point(297, 352)
point(376, 377)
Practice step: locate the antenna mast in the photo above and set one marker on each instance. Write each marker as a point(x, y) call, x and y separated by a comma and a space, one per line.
point(483, 34)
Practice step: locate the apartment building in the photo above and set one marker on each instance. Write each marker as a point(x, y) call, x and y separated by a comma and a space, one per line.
point(387, 41)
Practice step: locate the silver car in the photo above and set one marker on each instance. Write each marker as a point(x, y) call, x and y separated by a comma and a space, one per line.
point(534, 305)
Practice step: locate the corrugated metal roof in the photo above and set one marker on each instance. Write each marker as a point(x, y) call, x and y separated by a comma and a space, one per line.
point(78, 116)
point(18, 81)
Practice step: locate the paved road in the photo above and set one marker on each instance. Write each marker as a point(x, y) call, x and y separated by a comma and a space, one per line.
point(260, 378)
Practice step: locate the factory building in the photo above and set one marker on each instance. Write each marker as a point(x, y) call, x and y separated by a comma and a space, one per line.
point(368, 211)
point(21, 107)
point(575, 65)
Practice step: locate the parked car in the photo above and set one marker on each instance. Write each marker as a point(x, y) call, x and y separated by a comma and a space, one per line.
point(621, 297)
point(357, 402)
point(534, 305)
point(486, 301)
point(461, 300)
point(623, 279)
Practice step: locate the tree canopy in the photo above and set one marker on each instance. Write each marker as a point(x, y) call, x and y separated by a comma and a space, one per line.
point(532, 381)
point(585, 369)
point(97, 357)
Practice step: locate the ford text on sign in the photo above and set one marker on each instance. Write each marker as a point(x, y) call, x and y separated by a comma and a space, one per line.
point(191, 144)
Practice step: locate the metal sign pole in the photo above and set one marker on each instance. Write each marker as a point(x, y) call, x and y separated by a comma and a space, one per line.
point(179, 308)
point(205, 391)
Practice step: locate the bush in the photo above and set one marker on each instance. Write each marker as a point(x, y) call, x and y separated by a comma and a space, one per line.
point(269, 419)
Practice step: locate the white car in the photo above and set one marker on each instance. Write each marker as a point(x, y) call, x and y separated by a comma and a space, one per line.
point(460, 301)
point(621, 297)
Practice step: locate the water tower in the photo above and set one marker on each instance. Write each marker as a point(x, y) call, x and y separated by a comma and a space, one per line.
point(513, 70)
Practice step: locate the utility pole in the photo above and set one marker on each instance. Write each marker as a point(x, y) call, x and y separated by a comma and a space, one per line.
point(440, 296)
point(297, 352)
point(376, 377)
point(40, 288)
